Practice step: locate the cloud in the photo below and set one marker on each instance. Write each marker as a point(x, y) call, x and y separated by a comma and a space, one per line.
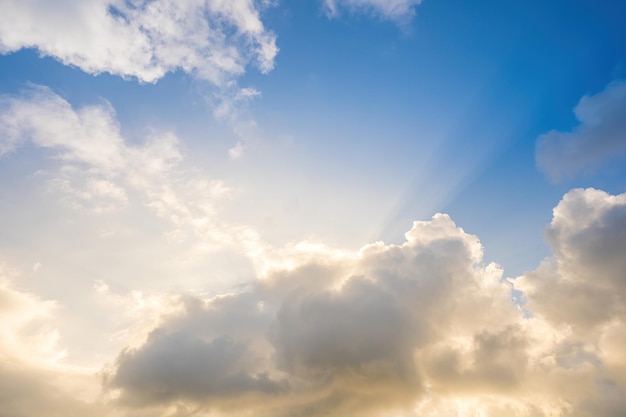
point(395, 10)
point(131, 214)
point(580, 290)
point(179, 366)
point(33, 377)
point(421, 328)
point(230, 106)
point(26, 391)
point(334, 335)
point(26, 333)
point(132, 189)
point(100, 172)
point(600, 136)
point(582, 285)
point(211, 39)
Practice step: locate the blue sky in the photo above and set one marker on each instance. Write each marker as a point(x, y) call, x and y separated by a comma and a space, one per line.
point(158, 158)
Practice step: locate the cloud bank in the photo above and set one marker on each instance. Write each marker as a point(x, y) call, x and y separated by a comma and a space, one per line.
point(599, 137)
point(212, 39)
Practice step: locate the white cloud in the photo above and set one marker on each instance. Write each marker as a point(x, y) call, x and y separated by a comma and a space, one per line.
point(396, 10)
point(213, 39)
point(600, 136)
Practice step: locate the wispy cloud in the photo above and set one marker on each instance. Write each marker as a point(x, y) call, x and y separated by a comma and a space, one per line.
point(98, 169)
point(396, 10)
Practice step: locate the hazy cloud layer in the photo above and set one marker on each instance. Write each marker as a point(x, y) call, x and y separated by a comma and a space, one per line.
point(211, 39)
point(599, 137)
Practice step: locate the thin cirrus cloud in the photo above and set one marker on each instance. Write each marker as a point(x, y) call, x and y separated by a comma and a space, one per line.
point(600, 136)
point(395, 10)
point(213, 40)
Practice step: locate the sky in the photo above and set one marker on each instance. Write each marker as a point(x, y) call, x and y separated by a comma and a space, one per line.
point(403, 208)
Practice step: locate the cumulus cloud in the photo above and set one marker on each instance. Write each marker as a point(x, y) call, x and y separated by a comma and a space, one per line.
point(396, 10)
point(599, 137)
point(582, 285)
point(581, 291)
point(421, 328)
point(211, 39)
point(335, 336)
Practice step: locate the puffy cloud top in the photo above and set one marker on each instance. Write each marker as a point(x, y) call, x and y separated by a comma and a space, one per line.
point(583, 284)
